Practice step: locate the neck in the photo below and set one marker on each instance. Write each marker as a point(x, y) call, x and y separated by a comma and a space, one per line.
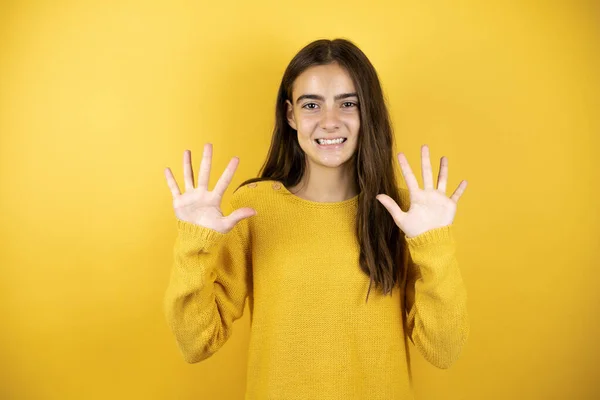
point(327, 185)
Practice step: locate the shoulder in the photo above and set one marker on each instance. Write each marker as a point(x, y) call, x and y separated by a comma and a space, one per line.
point(247, 193)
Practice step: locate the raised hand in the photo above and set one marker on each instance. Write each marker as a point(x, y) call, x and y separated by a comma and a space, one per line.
point(199, 205)
point(430, 208)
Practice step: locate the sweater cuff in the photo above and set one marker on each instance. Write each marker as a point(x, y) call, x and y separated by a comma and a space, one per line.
point(203, 236)
point(435, 236)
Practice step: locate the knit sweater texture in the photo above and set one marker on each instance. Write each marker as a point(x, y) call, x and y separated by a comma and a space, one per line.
point(313, 335)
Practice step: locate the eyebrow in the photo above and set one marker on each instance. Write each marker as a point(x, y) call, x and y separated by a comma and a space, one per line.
point(318, 97)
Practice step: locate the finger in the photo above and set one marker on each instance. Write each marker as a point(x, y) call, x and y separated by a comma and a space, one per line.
point(426, 168)
point(172, 183)
point(443, 176)
point(409, 177)
point(459, 191)
point(392, 207)
point(188, 175)
point(240, 214)
point(204, 174)
point(226, 177)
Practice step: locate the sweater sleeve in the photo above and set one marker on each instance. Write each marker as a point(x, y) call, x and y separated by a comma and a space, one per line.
point(209, 282)
point(436, 297)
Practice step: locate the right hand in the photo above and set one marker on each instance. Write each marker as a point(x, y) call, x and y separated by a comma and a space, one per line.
point(200, 206)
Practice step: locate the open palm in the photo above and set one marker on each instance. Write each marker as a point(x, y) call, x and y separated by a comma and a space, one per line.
point(430, 208)
point(200, 206)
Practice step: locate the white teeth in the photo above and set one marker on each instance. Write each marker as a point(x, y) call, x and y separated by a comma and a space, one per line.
point(330, 141)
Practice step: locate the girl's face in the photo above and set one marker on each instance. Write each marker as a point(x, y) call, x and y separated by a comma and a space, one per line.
point(325, 114)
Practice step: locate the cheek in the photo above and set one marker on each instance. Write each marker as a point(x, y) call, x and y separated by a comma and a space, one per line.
point(353, 123)
point(306, 125)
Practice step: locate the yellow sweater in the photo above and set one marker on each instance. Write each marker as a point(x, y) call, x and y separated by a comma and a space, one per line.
point(313, 336)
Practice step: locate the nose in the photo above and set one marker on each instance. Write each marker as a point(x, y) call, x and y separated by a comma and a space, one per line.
point(330, 120)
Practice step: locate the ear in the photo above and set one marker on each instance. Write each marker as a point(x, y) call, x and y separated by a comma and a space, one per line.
point(290, 115)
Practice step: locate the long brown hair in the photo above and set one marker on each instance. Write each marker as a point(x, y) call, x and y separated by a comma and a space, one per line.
point(378, 236)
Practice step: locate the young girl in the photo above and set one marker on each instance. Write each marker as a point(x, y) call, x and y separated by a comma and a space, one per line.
point(323, 225)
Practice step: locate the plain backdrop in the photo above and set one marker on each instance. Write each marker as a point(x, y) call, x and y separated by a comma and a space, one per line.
point(97, 98)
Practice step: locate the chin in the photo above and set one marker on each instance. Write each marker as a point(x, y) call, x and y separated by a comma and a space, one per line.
point(331, 162)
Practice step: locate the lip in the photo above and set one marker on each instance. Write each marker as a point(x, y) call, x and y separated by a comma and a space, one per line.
point(337, 137)
point(330, 146)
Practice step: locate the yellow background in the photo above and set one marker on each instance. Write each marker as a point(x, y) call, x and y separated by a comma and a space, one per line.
point(97, 98)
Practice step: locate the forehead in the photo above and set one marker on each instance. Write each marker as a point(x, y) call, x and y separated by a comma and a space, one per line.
point(328, 79)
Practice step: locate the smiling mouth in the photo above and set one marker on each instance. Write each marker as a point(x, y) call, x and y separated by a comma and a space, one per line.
point(329, 142)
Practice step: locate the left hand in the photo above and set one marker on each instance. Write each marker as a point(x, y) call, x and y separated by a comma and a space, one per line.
point(430, 208)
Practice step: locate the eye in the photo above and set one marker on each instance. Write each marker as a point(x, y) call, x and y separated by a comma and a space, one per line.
point(309, 104)
point(349, 104)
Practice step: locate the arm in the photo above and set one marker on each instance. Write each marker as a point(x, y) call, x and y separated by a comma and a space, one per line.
point(209, 282)
point(436, 297)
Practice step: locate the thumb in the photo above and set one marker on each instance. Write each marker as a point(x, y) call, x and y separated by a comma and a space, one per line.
point(393, 208)
point(240, 214)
